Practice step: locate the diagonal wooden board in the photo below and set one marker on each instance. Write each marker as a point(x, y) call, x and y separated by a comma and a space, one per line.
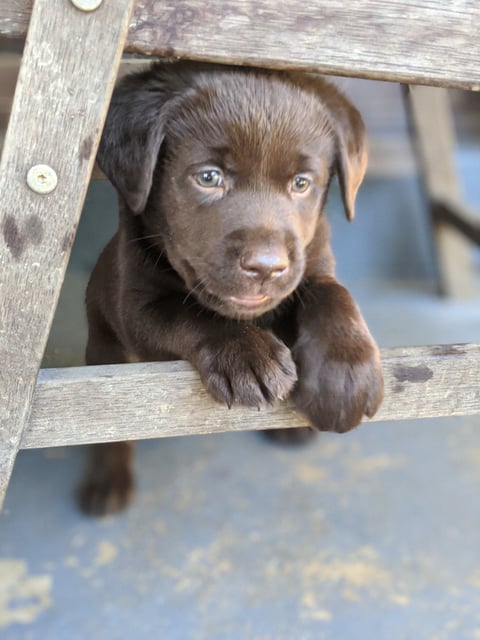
point(63, 91)
point(81, 405)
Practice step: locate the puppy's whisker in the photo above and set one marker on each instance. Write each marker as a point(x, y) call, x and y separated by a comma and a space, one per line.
point(197, 287)
point(298, 294)
point(159, 257)
point(153, 235)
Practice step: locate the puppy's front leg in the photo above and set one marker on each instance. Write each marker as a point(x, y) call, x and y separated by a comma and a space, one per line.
point(238, 362)
point(338, 362)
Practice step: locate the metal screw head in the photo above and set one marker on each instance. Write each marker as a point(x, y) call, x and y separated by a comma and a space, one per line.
point(86, 5)
point(42, 179)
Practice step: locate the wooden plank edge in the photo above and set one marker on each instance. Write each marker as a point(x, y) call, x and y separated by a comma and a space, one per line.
point(80, 405)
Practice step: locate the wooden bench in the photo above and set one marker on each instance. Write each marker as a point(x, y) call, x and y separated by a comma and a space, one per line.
point(68, 69)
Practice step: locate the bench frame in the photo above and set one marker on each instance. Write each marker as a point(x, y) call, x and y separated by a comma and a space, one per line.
point(60, 103)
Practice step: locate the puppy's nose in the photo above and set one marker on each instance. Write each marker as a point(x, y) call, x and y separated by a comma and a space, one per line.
point(266, 264)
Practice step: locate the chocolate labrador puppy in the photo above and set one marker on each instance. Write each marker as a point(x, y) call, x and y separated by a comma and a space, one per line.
point(222, 255)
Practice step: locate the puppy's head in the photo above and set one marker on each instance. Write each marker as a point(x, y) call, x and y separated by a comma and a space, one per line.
point(230, 169)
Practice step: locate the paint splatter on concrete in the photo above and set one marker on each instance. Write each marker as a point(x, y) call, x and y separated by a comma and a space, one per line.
point(475, 580)
point(209, 564)
point(360, 571)
point(106, 553)
point(71, 561)
point(309, 473)
point(23, 597)
point(369, 465)
point(354, 576)
point(159, 527)
point(312, 609)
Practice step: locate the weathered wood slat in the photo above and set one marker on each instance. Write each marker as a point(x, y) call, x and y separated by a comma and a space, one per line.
point(60, 102)
point(136, 401)
point(433, 131)
point(415, 41)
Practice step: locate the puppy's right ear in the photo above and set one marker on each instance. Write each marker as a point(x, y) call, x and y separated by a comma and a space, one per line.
point(132, 136)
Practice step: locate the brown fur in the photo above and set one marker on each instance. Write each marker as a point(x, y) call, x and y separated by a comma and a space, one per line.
point(237, 278)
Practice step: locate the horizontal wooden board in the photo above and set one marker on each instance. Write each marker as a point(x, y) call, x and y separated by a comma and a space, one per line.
point(415, 41)
point(154, 400)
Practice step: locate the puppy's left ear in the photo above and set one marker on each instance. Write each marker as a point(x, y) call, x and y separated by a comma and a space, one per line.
point(351, 141)
point(133, 135)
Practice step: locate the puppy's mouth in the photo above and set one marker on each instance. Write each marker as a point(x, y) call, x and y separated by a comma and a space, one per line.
point(250, 302)
point(240, 306)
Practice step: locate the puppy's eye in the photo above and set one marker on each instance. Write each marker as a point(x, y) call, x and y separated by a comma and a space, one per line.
point(300, 184)
point(210, 178)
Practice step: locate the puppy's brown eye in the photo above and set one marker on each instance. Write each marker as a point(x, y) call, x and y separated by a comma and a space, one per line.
point(300, 184)
point(210, 178)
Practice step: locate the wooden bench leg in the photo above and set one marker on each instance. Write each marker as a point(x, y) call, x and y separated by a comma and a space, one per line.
point(63, 90)
point(434, 138)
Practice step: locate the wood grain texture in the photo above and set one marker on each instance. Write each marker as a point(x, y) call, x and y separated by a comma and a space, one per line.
point(136, 401)
point(60, 102)
point(415, 41)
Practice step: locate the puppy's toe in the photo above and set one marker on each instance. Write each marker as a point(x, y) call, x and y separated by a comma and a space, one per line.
point(254, 371)
point(342, 396)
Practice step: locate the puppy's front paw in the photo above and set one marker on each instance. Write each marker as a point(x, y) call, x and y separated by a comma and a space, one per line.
point(335, 394)
point(252, 368)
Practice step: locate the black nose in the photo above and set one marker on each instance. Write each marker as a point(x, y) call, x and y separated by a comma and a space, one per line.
point(265, 264)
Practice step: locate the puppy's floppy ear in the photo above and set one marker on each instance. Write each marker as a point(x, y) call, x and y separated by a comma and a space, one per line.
point(133, 134)
point(349, 132)
point(351, 140)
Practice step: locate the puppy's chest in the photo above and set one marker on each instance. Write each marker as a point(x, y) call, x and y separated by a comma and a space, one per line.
point(281, 321)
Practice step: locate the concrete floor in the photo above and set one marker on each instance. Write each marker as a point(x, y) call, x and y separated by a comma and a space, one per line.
point(370, 535)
